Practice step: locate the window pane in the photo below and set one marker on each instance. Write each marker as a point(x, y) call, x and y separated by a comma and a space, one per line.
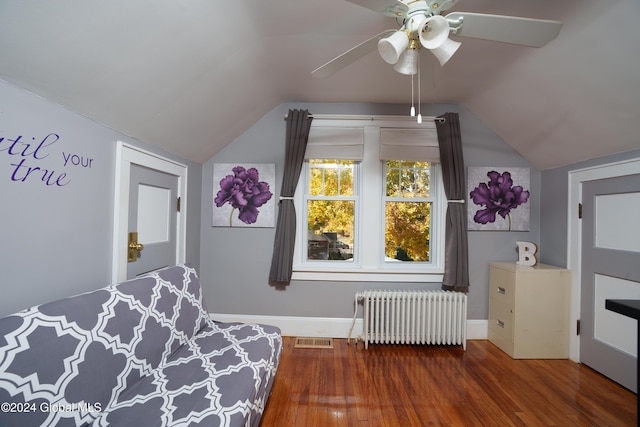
point(316, 178)
point(330, 177)
point(407, 179)
point(407, 230)
point(422, 182)
point(331, 231)
point(346, 179)
point(393, 178)
point(331, 182)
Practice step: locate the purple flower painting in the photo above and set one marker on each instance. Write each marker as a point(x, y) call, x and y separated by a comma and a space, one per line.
point(241, 190)
point(499, 203)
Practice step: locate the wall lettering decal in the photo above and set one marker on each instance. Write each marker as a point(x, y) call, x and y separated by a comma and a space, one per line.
point(27, 160)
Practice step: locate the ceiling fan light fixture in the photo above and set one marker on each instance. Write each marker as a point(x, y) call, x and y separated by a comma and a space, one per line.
point(446, 51)
point(422, 22)
point(408, 63)
point(391, 47)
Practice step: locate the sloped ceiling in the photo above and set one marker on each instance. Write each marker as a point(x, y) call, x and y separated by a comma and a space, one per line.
point(189, 76)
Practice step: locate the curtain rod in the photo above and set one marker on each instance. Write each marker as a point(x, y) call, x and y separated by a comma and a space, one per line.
point(370, 118)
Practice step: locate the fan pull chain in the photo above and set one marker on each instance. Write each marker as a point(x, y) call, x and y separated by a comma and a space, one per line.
point(419, 104)
point(413, 109)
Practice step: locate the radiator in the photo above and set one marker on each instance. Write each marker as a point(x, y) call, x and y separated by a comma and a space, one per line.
point(414, 317)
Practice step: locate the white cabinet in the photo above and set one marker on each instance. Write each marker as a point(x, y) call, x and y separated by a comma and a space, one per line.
point(529, 310)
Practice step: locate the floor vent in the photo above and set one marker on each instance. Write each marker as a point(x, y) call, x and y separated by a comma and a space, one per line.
point(313, 342)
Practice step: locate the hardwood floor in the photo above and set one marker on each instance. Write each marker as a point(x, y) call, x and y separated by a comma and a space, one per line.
point(393, 385)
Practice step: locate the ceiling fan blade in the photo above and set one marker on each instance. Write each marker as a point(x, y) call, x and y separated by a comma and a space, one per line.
point(350, 56)
point(392, 8)
point(506, 29)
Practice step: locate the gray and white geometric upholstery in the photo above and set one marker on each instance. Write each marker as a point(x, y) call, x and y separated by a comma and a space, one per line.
point(139, 353)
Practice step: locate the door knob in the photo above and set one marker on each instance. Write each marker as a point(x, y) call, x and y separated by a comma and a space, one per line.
point(134, 247)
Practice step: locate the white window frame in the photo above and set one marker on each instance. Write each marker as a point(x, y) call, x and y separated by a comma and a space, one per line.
point(356, 198)
point(435, 183)
point(368, 263)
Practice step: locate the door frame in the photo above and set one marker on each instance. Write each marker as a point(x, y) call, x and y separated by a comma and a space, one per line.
point(126, 155)
point(574, 235)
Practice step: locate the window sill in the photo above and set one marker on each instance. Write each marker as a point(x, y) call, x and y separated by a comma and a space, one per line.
point(367, 276)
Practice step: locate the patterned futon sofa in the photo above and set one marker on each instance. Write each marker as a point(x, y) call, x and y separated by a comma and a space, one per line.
point(140, 353)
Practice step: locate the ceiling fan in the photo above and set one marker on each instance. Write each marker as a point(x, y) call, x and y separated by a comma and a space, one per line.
point(422, 25)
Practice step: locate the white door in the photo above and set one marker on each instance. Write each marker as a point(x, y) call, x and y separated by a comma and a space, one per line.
point(153, 213)
point(146, 193)
point(610, 270)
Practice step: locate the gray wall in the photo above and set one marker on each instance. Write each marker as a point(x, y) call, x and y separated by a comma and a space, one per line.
point(56, 234)
point(235, 261)
point(555, 196)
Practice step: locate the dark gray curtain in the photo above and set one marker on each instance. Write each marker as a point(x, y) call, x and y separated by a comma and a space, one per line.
point(456, 259)
point(298, 125)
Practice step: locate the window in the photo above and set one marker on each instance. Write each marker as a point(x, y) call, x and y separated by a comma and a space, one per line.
point(331, 209)
point(407, 207)
point(364, 217)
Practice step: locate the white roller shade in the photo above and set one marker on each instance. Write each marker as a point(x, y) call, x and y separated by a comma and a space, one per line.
point(410, 144)
point(335, 143)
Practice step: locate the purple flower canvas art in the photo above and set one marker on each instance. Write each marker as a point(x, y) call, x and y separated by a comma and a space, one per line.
point(243, 195)
point(498, 199)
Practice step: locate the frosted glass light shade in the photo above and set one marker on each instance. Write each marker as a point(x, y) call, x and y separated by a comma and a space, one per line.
point(391, 47)
point(446, 51)
point(408, 63)
point(434, 32)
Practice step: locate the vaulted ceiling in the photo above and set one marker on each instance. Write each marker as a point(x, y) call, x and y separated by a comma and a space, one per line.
point(189, 76)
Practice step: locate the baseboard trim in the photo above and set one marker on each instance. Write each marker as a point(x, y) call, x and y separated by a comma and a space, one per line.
point(330, 327)
point(477, 329)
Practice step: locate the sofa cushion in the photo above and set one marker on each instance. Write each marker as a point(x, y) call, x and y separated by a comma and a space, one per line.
point(220, 378)
point(81, 353)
